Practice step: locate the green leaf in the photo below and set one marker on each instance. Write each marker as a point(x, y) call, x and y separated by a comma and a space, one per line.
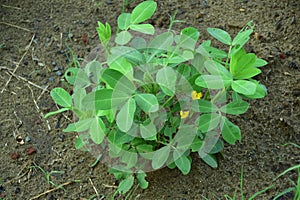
point(242, 37)
point(145, 150)
point(260, 91)
point(93, 69)
point(126, 184)
point(56, 112)
point(124, 21)
point(118, 81)
point(196, 145)
point(125, 116)
point(213, 81)
point(260, 62)
point(217, 148)
point(80, 126)
point(104, 99)
point(130, 158)
point(147, 102)
point(216, 53)
point(97, 130)
point(182, 57)
point(184, 70)
point(140, 176)
point(161, 42)
point(211, 160)
point(242, 65)
point(61, 97)
point(70, 75)
point(133, 55)
point(203, 106)
point(220, 35)
point(244, 87)
point(143, 11)
point(78, 95)
point(208, 122)
point(123, 37)
point(188, 38)
point(166, 78)
point(160, 157)
point(122, 65)
point(79, 143)
point(230, 132)
point(184, 137)
point(182, 162)
point(119, 138)
point(104, 33)
point(235, 107)
point(148, 132)
point(143, 28)
point(215, 68)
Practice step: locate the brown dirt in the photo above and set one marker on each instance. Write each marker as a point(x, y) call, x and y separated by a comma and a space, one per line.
point(57, 25)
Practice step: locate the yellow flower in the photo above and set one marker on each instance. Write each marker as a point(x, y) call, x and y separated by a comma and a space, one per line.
point(184, 114)
point(196, 95)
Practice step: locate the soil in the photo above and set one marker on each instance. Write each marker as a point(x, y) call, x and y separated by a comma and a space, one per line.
point(36, 38)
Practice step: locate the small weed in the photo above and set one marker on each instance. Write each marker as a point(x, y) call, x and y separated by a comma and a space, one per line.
point(48, 175)
point(242, 197)
point(296, 186)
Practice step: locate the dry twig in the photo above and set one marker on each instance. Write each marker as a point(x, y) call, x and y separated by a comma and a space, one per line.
point(15, 26)
point(38, 108)
point(13, 7)
point(53, 189)
point(18, 64)
point(97, 194)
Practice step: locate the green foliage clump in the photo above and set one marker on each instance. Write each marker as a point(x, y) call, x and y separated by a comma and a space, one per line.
point(153, 103)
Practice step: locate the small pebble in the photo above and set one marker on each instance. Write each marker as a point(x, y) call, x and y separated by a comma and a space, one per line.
point(27, 138)
point(30, 151)
point(41, 64)
point(294, 65)
point(278, 25)
point(61, 137)
point(51, 79)
point(109, 2)
point(14, 156)
point(17, 190)
point(296, 92)
point(55, 69)
point(53, 63)
point(58, 73)
point(2, 188)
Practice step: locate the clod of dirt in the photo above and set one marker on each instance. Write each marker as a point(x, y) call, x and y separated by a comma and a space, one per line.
point(30, 151)
point(14, 155)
